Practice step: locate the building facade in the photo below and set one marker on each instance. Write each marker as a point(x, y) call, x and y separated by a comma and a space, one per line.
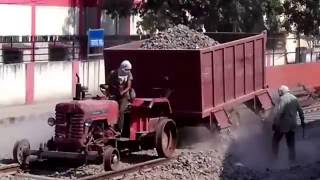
point(59, 17)
point(37, 79)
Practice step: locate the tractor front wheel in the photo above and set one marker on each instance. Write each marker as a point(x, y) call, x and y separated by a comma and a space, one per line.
point(166, 138)
point(21, 152)
point(111, 159)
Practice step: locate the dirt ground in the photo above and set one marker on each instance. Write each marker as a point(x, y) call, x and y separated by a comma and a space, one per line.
point(244, 153)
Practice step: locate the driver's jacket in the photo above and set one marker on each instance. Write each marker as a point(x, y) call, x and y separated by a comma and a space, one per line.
point(117, 84)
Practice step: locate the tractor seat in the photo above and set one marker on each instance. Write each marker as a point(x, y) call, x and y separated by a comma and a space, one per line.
point(129, 108)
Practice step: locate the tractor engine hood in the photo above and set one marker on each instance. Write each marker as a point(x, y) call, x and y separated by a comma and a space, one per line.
point(91, 109)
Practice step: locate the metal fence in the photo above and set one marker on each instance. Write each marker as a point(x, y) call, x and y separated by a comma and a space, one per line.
point(19, 49)
point(281, 51)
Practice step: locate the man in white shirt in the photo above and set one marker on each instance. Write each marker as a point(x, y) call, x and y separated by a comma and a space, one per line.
point(285, 122)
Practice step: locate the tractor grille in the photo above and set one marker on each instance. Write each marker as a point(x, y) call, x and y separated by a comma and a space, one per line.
point(77, 126)
point(70, 126)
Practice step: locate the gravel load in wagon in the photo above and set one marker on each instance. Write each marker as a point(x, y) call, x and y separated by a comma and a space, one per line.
point(179, 37)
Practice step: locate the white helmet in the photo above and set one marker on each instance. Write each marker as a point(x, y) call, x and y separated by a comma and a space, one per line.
point(125, 68)
point(126, 65)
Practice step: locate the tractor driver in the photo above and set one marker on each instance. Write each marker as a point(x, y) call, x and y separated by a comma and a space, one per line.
point(119, 83)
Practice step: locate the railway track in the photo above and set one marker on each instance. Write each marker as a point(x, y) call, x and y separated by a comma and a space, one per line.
point(9, 169)
point(135, 168)
point(144, 166)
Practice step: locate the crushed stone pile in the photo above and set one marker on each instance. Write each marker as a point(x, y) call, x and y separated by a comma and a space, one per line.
point(215, 165)
point(179, 37)
point(206, 165)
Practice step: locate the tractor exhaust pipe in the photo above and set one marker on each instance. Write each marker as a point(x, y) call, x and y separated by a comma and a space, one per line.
point(78, 89)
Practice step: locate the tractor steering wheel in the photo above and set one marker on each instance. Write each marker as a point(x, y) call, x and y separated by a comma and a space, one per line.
point(104, 89)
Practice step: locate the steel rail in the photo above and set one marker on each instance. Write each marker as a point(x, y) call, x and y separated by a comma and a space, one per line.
point(315, 106)
point(130, 169)
point(111, 174)
point(313, 110)
point(34, 177)
point(9, 169)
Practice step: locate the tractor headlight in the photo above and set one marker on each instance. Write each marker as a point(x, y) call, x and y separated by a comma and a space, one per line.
point(87, 124)
point(51, 121)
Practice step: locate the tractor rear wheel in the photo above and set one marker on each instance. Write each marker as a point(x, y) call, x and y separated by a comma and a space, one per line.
point(111, 159)
point(21, 152)
point(166, 138)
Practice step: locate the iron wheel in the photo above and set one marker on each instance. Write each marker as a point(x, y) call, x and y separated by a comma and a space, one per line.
point(166, 138)
point(111, 159)
point(21, 152)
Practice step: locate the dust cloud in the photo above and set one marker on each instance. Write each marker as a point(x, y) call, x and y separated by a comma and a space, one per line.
point(250, 142)
point(200, 138)
point(34, 128)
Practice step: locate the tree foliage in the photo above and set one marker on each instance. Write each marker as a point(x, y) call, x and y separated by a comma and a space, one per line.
point(215, 15)
point(302, 16)
point(119, 8)
point(224, 15)
point(273, 11)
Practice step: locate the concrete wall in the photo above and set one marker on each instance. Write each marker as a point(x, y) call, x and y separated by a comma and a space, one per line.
point(52, 80)
point(12, 84)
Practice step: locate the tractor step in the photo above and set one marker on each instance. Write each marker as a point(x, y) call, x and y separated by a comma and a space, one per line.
point(142, 133)
point(123, 139)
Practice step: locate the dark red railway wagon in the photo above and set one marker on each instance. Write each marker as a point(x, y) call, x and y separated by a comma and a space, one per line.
point(205, 82)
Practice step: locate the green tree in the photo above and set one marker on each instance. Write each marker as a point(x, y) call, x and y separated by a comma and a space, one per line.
point(119, 8)
point(302, 16)
point(215, 15)
point(273, 11)
point(223, 15)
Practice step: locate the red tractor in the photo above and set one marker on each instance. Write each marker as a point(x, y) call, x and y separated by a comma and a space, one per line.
point(84, 130)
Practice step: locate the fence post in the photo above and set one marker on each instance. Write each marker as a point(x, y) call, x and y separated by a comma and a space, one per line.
point(272, 56)
point(311, 53)
point(299, 60)
point(33, 46)
point(75, 70)
point(73, 56)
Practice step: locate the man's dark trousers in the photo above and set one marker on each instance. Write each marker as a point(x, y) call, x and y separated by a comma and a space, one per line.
point(290, 138)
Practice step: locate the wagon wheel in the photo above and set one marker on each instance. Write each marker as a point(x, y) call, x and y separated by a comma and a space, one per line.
point(21, 151)
point(166, 138)
point(111, 159)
